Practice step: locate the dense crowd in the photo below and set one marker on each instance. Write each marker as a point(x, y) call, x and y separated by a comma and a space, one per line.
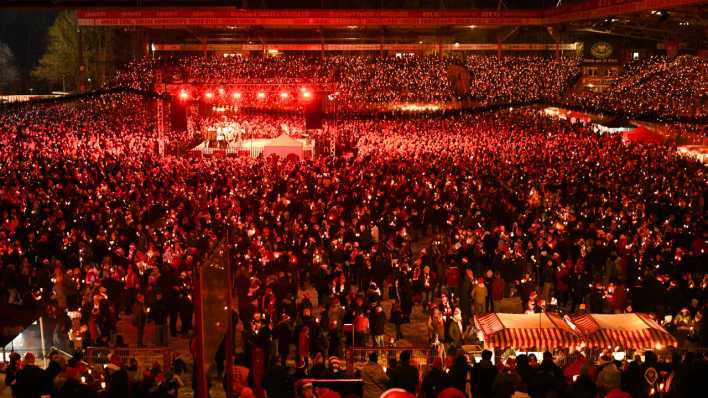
point(392, 79)
point(251, 125)
point(457, 214)
point(365, 80)
point(654, 86)
point(510, 80)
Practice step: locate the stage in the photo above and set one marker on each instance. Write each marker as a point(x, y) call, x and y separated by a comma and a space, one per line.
point(251, 147)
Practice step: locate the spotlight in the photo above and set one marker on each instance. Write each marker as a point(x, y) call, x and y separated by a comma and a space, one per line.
point(306, 94)
point(208, 95)
point(221, 91)
point(183, 94)
point(284, 95)
point(260, 95)
point(236, 95)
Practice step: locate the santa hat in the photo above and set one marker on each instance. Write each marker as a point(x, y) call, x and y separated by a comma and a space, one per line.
point(112, 368)
point(71, 373)
point(327, 393)
point(451, 392)
point(396, 393)
point(115, 359)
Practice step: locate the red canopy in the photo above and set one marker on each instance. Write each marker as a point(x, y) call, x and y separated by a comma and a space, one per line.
point(541, 331)
point(630, 331)
point(643, 135)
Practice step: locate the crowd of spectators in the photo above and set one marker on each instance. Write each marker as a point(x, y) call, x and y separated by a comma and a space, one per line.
point(662, 86)
point(654, 86)
point(138, 74)
point(505, 204)
point(88, 213)
point(509, 80)
point(366, 80)
point(71, 377)
point(270, 69)
point(251, 125)
point(392, 79)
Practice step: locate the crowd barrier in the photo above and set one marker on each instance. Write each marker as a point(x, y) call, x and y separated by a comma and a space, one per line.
point(145, 357)
point(345, 387)
point(421, 357)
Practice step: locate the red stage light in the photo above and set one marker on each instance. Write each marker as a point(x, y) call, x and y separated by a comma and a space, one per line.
point(283, 95)
point(221, 91)
point(183, 94)
point(260, 95)
point(209, 95)
point(306, 95)
point(237, 95)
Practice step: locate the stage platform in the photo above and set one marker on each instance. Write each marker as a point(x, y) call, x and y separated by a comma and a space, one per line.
point(252, 147)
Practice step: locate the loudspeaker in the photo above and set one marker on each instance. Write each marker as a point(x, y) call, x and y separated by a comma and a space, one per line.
point(313, 121)
point(178, 116)
point(313, 114)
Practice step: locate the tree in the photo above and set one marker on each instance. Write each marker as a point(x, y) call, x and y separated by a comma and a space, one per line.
point(8, 68)
point(59, 65)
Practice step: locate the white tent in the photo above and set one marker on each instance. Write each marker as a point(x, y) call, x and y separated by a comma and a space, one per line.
point(285, 146)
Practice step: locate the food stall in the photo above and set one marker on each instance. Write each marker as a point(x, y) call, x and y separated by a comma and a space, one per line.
point(621, 332)
point(526, 332)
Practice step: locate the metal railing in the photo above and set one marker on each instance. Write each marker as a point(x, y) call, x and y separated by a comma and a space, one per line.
point(145, 357)
point(344, 387)
point(421, 357)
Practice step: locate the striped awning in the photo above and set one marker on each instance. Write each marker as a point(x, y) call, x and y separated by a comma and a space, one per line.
point(539, 331)
point(629, 331)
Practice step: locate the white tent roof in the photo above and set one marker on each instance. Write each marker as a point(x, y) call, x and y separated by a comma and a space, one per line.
point(284, 140)
point(633, 330)
point(623, 322)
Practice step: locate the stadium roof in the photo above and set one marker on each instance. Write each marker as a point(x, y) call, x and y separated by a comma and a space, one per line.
point(400, 21)
point(302, 4)
point(501, 16)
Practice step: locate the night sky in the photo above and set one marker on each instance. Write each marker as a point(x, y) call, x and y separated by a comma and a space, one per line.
point(25, 32)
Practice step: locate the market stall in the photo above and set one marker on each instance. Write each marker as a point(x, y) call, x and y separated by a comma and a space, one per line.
point(284, 146)
point(631, 331)
point(643, 135)
point(526, 331)
point(698, 152)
